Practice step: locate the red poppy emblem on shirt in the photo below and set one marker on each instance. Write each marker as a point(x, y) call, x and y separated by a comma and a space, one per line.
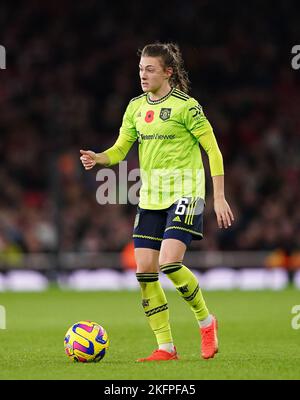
point(149, 116)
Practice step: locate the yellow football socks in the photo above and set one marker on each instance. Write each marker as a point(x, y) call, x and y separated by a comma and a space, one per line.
point(188, 286)
point(155, 306)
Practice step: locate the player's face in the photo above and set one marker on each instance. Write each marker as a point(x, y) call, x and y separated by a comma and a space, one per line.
point(152, 73)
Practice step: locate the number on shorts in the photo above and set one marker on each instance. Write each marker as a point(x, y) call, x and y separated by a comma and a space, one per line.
point(181, 206)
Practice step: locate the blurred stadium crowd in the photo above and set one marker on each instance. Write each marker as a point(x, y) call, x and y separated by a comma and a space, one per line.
point(71, 71)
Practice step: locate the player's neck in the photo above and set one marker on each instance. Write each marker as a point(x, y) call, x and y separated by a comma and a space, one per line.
point(159, 93)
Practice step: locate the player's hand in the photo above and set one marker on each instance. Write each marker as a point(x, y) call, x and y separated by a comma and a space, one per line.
point(223, 212)
point(88, 159)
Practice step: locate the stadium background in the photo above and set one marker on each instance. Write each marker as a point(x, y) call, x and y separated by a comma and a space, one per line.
point(71, 69)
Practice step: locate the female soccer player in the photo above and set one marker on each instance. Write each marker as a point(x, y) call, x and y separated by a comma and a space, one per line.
point(169, 125)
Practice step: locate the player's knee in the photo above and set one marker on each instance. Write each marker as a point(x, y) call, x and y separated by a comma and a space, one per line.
point(172, 250)
point(146, 264)
point(145, 267)
point(168, 257)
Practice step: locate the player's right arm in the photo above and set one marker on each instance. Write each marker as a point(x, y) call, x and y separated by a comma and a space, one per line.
point(89, 159)
point(119, 150)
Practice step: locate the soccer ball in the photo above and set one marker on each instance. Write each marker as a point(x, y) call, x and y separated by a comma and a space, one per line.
point(86, 341)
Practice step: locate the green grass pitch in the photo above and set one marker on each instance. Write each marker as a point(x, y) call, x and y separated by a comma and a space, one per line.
point(255, 334)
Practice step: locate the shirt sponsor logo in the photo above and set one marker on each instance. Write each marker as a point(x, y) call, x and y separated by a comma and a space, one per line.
point(154, 136)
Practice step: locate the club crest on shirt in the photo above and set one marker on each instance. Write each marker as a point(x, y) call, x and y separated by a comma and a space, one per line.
point(165, 113)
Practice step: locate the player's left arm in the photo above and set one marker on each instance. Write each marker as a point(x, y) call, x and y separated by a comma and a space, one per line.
point(222, 209)
point(200, 127)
